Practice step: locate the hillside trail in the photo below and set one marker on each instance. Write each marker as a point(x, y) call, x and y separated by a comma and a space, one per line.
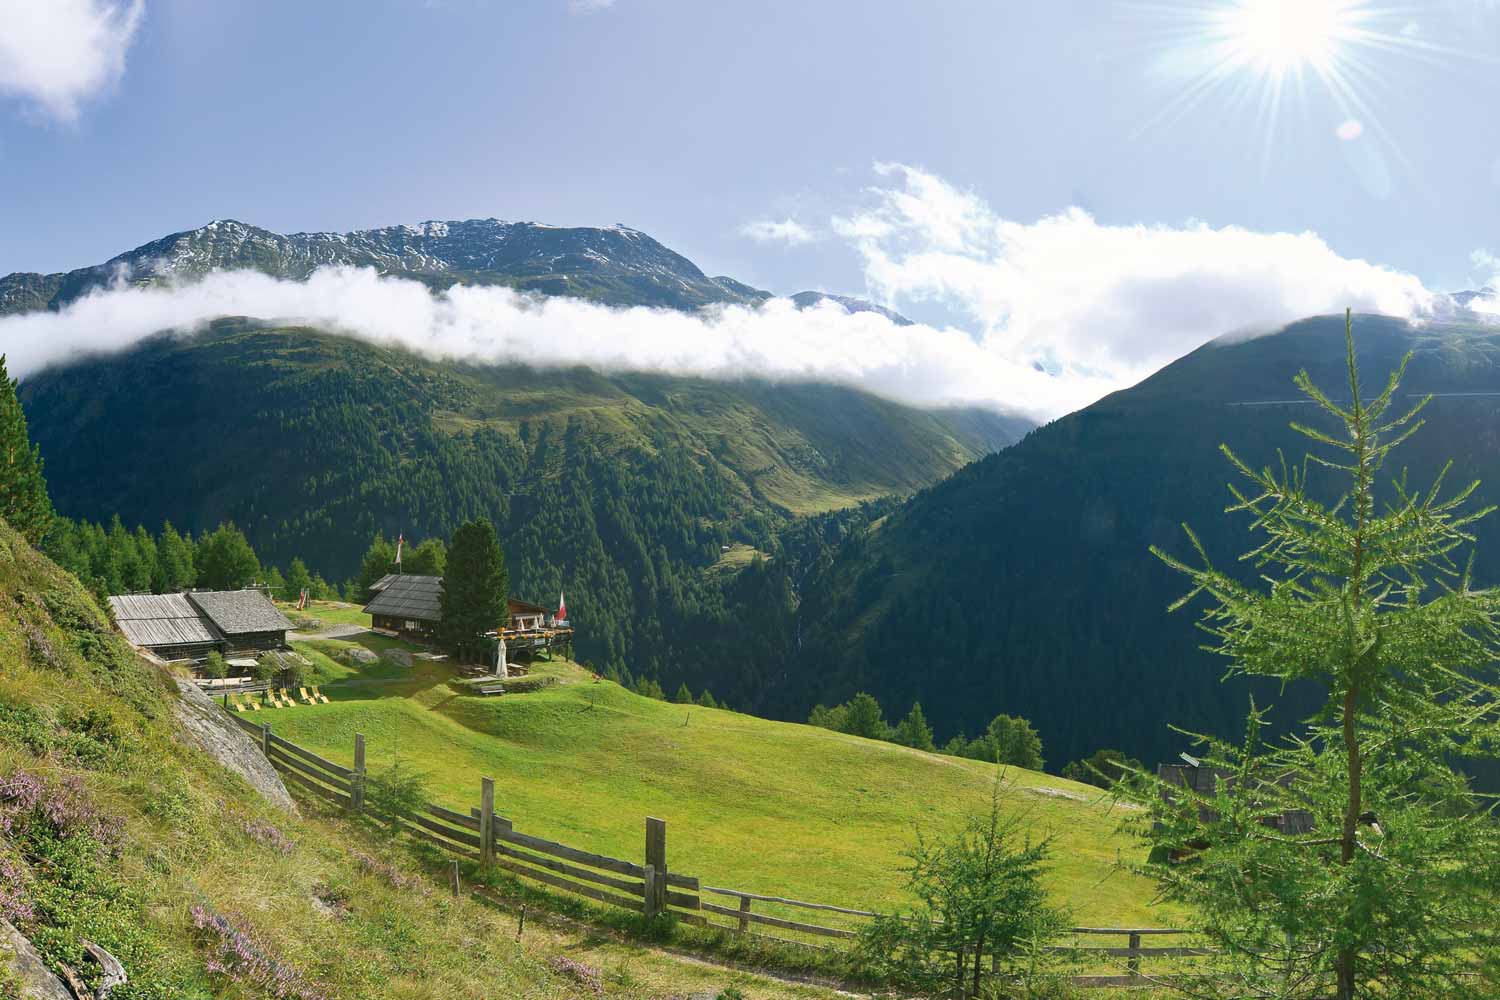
point(336, 631)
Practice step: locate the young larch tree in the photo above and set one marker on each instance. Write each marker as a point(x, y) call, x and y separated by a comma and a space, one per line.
point(1351, 856)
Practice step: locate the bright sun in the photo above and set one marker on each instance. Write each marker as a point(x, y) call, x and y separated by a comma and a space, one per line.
point(1278, 36)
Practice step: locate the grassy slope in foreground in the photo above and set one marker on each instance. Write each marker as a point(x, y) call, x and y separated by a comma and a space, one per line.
point(767, 807)
point(77, 705)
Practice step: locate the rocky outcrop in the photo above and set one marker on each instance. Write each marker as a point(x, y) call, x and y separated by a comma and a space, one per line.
point(217, 734)
point(21, 962)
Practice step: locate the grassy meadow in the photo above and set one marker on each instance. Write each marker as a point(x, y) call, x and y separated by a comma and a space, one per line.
point(766, 807)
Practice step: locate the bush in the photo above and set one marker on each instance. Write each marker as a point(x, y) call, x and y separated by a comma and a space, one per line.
point(214, 665)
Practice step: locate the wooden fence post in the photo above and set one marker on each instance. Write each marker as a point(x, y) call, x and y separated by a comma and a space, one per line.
point(744, 914)
point(357, 779)
point(487, 821)
point(656, 858)
point(265, 739)
point(653, 908)
point(1133, 963)
point(455, 877)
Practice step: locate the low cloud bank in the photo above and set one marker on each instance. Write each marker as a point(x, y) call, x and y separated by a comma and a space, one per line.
point(1059, 312)
point(922, 365)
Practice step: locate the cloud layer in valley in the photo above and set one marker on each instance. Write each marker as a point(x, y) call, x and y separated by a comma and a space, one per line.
point(1051, 314)
point(56, 54)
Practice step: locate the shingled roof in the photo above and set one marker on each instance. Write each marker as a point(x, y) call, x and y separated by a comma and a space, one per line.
point(238, 612)
point(160, 620)
point(409, 595)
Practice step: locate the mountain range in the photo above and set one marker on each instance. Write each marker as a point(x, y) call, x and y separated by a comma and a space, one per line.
point(633, 491)
point(1023, 583)
point(960, 558)
point(616, 265)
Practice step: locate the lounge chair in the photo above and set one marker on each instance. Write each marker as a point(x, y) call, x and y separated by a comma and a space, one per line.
point(320, 696)
point(305, 698)
point(235, 703)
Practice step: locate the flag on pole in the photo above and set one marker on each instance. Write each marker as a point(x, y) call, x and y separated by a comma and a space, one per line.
point(562, 607)
point(302, 600)
point(400, 540)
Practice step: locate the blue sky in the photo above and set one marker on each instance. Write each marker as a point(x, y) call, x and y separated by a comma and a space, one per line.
point(705, 121)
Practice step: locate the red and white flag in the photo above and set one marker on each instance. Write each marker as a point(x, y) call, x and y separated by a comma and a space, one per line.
point(400, 540)
point(302, 600)
point(562, 607)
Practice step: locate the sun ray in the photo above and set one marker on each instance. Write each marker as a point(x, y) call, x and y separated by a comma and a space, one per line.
point(1272, 58)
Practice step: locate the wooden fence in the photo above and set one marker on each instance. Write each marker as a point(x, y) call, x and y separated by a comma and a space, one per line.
point(649, 888)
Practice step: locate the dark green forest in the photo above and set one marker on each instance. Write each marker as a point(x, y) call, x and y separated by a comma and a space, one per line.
point(626, 491)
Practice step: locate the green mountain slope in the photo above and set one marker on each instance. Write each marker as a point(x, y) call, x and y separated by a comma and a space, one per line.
point(1023, 584)
point(620, 488)
point(117, 830)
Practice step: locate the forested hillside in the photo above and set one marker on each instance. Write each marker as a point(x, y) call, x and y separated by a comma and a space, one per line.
point(623, 489)
point(1023, 583)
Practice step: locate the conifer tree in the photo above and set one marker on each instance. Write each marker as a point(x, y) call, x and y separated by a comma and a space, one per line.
point(379, 559)
point(24, 503)
point(683, 695)
point(913, 731)
point(475, 587)
point(174, 562)
point(298, 579)
point(1350, 858)
point(225, 559)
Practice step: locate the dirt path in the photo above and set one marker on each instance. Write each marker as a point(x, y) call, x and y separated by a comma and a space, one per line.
point(329, 632)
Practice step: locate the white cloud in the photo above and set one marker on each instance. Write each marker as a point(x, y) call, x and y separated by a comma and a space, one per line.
point(1100, 304)
point(917, 364)
point(57, 54)
point(1349, 130)
point(788, 231)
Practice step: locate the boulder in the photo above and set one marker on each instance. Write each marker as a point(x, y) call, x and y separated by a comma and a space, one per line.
point(400, 656)
point(24, 964)
point(210, 728)
point(359, 654)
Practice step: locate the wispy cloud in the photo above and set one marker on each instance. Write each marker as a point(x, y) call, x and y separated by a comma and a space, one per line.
point(57, 54)
point(1095, 302)
point(920, 365)
point(585, 6)
point(788, 231)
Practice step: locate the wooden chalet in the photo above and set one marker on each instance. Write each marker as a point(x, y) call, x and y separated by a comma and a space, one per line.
point(406, 603)
point(409, 604)
point(1195, 776)
point(190, 625)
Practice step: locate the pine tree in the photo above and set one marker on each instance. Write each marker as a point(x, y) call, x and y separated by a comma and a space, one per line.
point(24, 503)
point(864, 717)
point(683, 696)
point(428, 559)
point(174, 562)
point(1350, 857)
point(475, 588)
point(913, 731)
point(225, 560)
point(298, 579)
point(379, 559)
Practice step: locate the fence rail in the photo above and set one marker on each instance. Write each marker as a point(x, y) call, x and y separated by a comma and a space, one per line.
point(648, 888)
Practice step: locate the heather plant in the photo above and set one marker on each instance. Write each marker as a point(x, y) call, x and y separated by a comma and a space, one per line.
point(234, 955)
point(15, 902)
point(581, 973)
point(267, 833)
point(1351, 857)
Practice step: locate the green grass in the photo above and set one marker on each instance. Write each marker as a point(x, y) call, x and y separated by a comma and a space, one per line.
point(327, 612)
point(767, 807)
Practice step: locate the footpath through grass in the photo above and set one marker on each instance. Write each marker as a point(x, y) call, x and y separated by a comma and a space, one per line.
point(766, 807)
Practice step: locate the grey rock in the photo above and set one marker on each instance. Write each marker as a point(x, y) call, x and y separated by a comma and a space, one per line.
point(218, 735)
point(359, 654)
point(22, 961)
point(400, 656)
